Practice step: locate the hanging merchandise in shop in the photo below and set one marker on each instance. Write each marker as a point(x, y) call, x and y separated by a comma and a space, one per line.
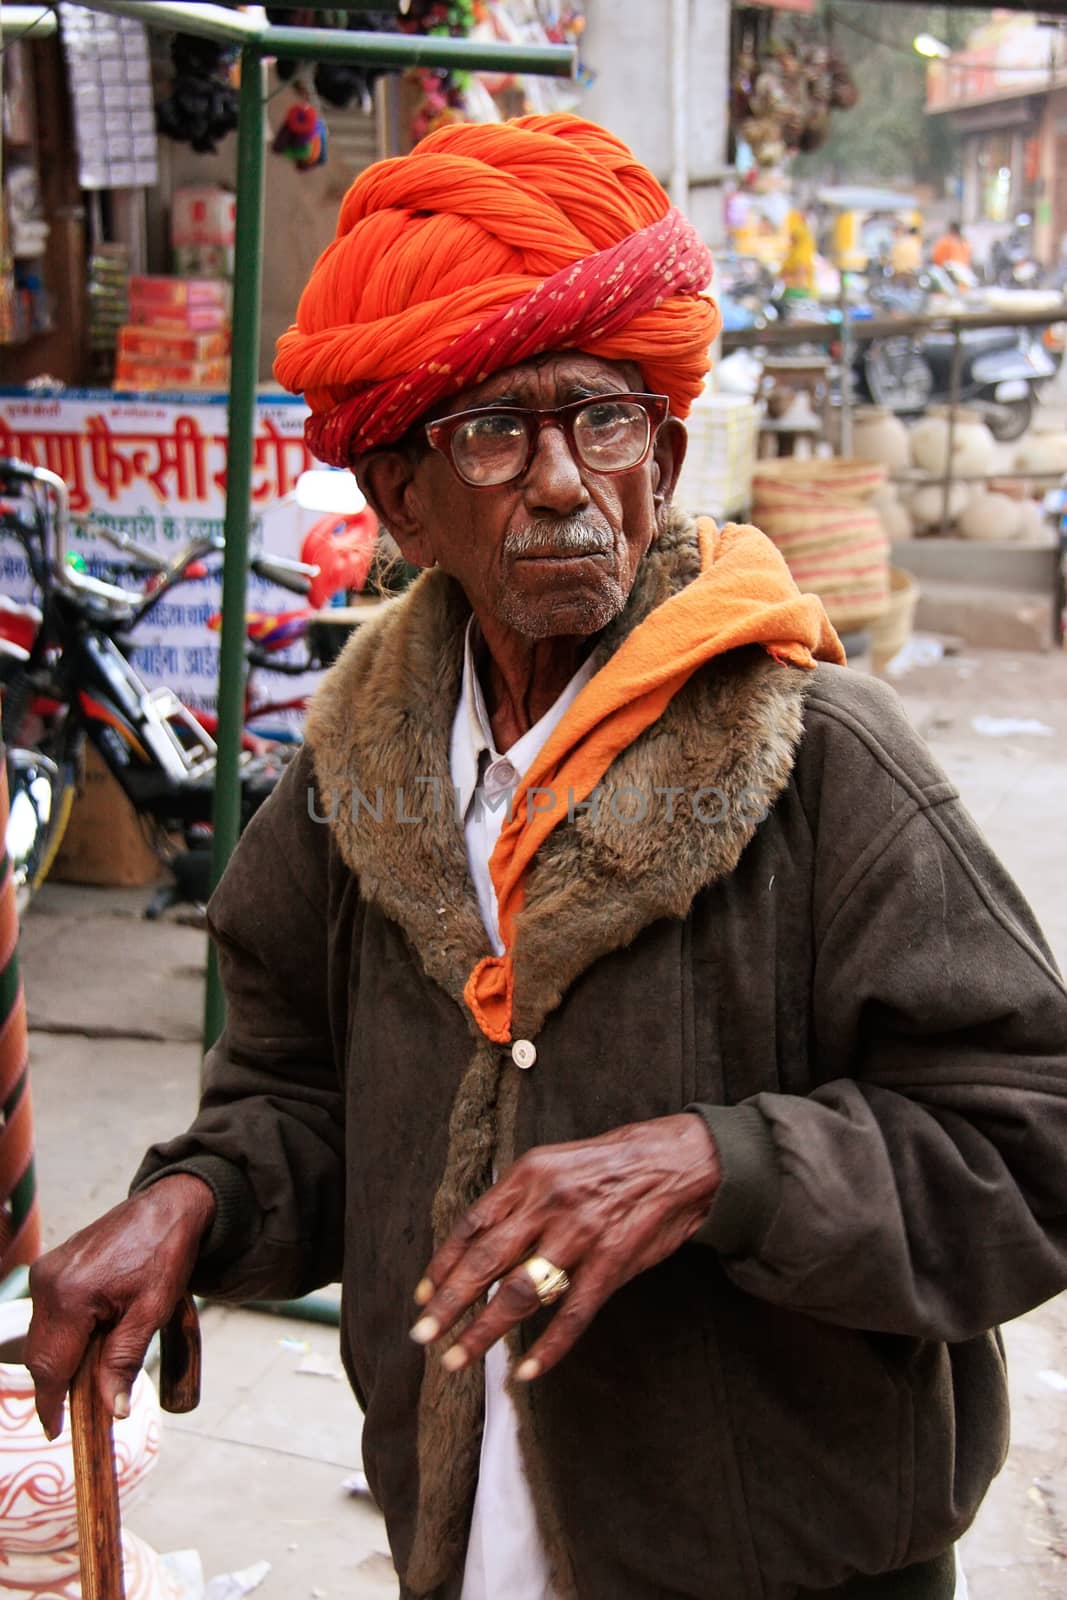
point(302, 137)
point(436, 96)
point(111, 95)
point(338, 83)
point(201, 108)
point(25, 304)
point(786, 83)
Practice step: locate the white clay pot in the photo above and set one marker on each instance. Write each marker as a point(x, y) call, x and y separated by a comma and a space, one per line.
point(38, 1513)
point(973, 446)
point(1042, 452)
point(884, 496)
point(989, 516)
point(1046, 422)
point(896, 520)
point(927, 504)
point(878, 435)
point(1034, 527)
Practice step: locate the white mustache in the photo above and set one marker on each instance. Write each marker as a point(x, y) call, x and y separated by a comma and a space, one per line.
point(577, 536)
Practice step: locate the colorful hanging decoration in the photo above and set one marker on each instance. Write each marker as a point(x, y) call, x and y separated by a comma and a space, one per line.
point(485, 97)
point(782, 94)
point(302, 137)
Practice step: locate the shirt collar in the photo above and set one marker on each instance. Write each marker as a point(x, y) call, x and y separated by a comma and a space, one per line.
point(472, 735)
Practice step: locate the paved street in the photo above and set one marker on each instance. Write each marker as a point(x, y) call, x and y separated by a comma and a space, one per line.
point(256, 1472)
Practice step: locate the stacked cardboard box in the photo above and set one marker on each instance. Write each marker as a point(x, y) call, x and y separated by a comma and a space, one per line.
point(177, 336)
point(203, 222)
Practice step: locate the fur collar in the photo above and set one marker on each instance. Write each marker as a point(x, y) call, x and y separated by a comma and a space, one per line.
point(380, 728)
point(380, 731)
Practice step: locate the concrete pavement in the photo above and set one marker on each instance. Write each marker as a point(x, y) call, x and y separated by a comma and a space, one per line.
point(256, 1472)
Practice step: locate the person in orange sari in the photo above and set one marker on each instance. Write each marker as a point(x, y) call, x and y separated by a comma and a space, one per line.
point(619, 1001)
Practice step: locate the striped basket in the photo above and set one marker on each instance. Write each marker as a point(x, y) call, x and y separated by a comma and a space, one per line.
point(819, 515)
point(891, 632)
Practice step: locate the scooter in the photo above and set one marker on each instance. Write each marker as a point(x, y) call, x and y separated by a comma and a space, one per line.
point(1013, 263)
point(1001, 372)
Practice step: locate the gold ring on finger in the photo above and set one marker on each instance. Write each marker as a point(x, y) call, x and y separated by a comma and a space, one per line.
point(550, 1281)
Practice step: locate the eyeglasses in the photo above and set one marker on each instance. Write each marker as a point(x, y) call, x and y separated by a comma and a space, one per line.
point(495, 445)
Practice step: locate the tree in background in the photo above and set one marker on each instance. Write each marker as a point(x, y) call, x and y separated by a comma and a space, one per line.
point(888, 135)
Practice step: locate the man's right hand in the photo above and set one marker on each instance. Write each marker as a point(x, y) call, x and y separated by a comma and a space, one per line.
point(124, 1274)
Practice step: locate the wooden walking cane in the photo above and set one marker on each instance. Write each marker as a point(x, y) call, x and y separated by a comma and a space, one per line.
point(95, 1481)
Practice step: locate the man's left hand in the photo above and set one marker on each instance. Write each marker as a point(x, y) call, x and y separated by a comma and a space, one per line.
point(603, 1209)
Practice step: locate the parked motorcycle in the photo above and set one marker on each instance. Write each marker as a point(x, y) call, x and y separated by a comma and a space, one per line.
point(1001, 369)
point(1013, 264)
point(73, 683)
point(1001, 373)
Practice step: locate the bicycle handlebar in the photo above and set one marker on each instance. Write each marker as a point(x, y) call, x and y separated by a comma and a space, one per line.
point(122, 541)
point(66, 576)
point(295, 576)
point(132, 604)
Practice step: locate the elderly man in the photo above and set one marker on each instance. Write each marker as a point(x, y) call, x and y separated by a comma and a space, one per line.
point(620, 1003)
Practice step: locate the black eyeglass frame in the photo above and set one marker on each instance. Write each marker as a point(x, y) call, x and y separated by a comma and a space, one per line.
point(441, 432)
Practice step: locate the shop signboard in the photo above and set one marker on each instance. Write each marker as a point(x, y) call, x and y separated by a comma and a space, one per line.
point(154, 469)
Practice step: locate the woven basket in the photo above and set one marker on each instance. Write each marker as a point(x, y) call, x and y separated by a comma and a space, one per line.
point(819, 515)
point(891, 631)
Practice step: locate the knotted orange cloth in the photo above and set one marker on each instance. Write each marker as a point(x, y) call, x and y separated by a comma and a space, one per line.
point(744, 595)
point(487, 245)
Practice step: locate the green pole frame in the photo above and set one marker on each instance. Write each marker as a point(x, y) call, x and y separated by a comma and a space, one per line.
point(244, 372)
point(404, 50)
point(390, 50)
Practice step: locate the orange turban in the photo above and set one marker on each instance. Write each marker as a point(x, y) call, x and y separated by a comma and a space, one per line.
point(492, 243)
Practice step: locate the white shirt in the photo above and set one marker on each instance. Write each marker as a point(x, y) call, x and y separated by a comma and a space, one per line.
point(505, 1557)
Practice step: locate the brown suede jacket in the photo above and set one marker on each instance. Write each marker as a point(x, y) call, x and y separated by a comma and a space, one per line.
point(827, 961)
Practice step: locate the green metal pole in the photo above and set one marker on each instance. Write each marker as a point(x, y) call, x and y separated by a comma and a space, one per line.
point(403, 50)
point(248, 262)
point(397, 51)
point(16, 1286)
point(310, 1308)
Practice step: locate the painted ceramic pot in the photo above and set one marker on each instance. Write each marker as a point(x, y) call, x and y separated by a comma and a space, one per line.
point(53, 1574)
point(38, 1514)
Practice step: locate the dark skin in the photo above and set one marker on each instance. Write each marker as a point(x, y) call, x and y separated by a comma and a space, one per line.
point(604, 1209)
point(537, 618)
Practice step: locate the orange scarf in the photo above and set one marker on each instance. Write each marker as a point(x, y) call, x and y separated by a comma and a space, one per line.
point(744, 595)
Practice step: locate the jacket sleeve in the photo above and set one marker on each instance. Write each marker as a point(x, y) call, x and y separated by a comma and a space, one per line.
point(269, 1135)
point(921, 1187)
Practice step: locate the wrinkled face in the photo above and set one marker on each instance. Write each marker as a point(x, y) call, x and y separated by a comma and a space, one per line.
point(556, 550)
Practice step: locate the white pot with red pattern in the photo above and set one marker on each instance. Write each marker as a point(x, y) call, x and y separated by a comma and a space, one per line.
point(38, 1513)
